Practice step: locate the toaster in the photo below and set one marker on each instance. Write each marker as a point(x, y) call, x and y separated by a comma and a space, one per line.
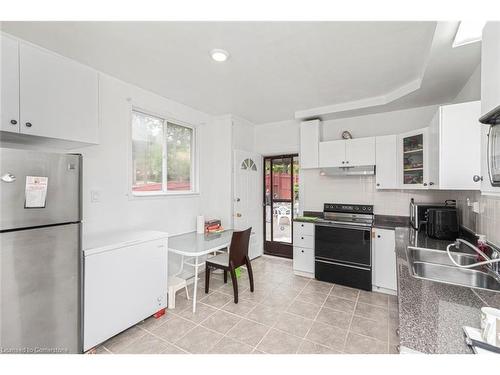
point(442, 223)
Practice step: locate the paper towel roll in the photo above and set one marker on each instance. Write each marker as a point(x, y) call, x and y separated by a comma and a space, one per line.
point(200, 224)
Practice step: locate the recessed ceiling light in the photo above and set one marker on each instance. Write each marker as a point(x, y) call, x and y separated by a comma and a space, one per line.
point(468, 32)
point(219, 55)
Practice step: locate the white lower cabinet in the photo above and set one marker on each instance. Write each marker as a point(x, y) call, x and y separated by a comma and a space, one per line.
point(303, 260)
point(384, 261)
point(303, 249)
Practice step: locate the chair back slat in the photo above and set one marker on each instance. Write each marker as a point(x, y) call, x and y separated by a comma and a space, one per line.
point(238, 250)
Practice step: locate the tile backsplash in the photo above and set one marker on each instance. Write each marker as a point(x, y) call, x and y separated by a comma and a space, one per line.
point(317, 189)
point(487, 222)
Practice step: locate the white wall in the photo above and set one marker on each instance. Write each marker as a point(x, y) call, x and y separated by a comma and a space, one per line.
point(283, 137)
point(106, 167)
point(243, 134)
point(217, 164)
point(385, 123)
point(472, 88)
point(277, 138)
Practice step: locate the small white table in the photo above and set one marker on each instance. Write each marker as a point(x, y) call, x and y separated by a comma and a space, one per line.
point(196, 245)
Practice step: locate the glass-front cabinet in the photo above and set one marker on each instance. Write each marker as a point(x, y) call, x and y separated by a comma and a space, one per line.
point(414, 160)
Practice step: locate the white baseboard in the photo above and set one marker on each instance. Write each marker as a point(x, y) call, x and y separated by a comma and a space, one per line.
point(304, 274)
point(384, 290)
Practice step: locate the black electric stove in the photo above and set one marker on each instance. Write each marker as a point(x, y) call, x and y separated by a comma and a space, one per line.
point(343, 245)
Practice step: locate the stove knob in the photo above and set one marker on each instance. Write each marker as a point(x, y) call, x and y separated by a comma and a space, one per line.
point(364, 208)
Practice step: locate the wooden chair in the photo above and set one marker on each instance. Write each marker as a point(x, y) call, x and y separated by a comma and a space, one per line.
point(238, 256)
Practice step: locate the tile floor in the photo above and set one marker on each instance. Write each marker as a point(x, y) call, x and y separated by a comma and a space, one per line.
point(286, 314)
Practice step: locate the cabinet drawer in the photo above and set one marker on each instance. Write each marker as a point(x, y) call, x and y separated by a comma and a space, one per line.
point(303, 241)
point(303, 259)
point(303, 229)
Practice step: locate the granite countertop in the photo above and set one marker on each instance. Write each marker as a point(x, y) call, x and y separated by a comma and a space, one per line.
point(390, 222)
point(380, 221)
point(431, 314)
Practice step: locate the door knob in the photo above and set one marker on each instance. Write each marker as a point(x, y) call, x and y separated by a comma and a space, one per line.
point(477, 178)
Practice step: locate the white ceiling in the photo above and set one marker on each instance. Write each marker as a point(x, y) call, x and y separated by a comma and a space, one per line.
point(275, 68)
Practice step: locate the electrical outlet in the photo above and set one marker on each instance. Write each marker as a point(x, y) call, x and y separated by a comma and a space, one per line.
point(95, 196)
point(476, 208)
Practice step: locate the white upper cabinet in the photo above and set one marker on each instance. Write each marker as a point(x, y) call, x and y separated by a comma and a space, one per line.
point(9, 99)
point(414, 159)
point(347, 153)
point(458, 132)
point(332, 154)
point(309, 141)
point(490, 67)
point(386, 161)
point(58, 97)
point(360, 151)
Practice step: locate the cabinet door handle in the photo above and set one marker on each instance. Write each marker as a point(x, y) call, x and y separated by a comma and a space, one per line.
point(343, 162)
point(431, 183)
point(425, 183)
point(378, 184)
point(302, 251)
point(301, 238)
point(347, 162)
point(13, 122)
point(378, 235)
point(477, 178)
point(28, 125)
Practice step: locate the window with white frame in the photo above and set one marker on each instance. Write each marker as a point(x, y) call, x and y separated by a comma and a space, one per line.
point(162, 156)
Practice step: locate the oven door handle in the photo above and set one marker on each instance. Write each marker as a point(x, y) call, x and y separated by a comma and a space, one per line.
point(341, 264)
point(343, 226)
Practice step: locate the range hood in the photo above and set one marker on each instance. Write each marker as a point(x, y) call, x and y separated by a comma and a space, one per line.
point(364, 170)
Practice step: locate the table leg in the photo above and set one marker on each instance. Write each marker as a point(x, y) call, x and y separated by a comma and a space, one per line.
point(195, 283)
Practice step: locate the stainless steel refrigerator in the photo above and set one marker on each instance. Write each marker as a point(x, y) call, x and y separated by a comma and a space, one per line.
point(40, 252)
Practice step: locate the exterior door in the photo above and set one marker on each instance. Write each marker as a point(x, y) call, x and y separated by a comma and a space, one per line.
point(247, 198)
point(281, 189)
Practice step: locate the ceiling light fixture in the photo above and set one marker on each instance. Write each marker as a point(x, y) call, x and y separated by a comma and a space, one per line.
point(219, 55)
point(468, 32)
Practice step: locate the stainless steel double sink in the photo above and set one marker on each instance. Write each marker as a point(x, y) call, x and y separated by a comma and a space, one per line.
point(435, 265)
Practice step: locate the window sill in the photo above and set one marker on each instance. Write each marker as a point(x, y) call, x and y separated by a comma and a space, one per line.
point(175, 194)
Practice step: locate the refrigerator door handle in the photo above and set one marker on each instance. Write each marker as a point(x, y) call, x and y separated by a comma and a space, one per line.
point(8, 177)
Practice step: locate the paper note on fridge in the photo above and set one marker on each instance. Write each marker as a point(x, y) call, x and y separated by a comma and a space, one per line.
point(36, 191)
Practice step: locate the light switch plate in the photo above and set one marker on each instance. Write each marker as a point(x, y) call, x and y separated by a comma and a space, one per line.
point(95, 196)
